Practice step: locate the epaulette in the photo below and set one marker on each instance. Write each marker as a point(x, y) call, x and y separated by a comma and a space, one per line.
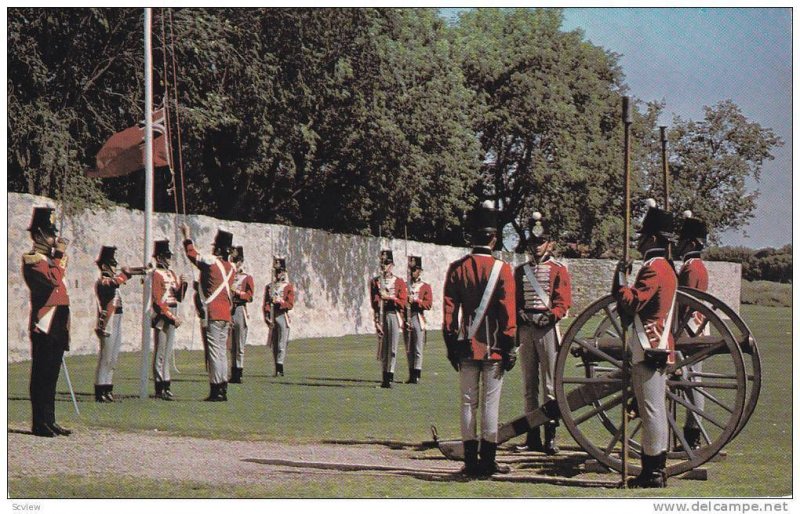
point(32, 258)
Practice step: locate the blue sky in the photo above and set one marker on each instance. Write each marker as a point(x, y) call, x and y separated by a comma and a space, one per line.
point(691, 58)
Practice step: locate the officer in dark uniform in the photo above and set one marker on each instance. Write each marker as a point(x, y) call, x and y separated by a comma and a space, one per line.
point(43, 269)
point(647, 307)
point(480, 340)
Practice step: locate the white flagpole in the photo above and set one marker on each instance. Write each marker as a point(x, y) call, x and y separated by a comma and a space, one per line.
point(148, 197)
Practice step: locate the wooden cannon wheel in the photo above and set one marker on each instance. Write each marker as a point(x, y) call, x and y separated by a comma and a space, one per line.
point(589, 364)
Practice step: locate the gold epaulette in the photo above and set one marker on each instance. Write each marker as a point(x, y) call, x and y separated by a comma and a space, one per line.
point(32, 258)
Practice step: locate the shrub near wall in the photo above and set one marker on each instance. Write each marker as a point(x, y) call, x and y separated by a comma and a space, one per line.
point(331, 272)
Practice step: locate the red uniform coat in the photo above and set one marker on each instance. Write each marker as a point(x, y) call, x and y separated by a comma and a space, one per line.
point(106, 290)
point(424, 299)
point(559, 287)
point(693, 274)
point(210, 279)
point(244, 289)
point(396, 303)
point(651, 297)
point(45, 279)
point(283, 305)
point(167, 290)
point(464, 285)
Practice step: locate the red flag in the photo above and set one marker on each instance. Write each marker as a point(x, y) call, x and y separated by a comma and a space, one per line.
point(123, 153)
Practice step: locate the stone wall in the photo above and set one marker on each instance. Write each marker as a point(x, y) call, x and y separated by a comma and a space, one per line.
point(331, 273)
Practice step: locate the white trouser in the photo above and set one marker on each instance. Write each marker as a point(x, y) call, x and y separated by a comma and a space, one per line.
point(279, 338)
point(471, 374)
point(391, 338)
point(650, 386)
point(109, 351)
point(238, 336)
point(164, 341)
point(538, 350)
point(416, 343)
point(217, 339)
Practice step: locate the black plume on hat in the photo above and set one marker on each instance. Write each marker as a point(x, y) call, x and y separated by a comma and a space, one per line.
point(43, 218)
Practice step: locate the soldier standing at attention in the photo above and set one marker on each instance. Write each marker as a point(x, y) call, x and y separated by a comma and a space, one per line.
point(109, 321)
point(389, 294)
point(168, 289)
point(43, 269)
point(692, 236)
point(420, 299)
point(278, 301)
point(648, 305)
point(243, 289)
point(544, 295)
point(216, 280)
point(481, 341)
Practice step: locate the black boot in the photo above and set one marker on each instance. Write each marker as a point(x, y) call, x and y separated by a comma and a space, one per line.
point(410, 376)
point(58, 429)
point(488, 462)
point(418, 377)
point(166, 394)
point(653, 473)
point(213, 395)
point(159, 389)
point(533, 441)
point(471, 466)
point(109, 393)
point(223, 392)
point(387, 381)
point(693, 437)
point(42, 430)
point(236, 375)
point(550, 447)
point(279, 370)
point(99, 393)
point(391, 377)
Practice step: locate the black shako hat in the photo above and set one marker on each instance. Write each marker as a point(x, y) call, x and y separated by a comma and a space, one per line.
point(223, 239)
point(237, 254)
point(107, 256)
point(414, 262)
point(656, 222)
point(161, 248)
point(387, 257)
point(279, 263)
point(486, 218)
point(43, 218)
point(537, 226)
point(692, 228)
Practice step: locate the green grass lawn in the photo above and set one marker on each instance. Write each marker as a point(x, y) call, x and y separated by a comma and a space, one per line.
point(331, 393)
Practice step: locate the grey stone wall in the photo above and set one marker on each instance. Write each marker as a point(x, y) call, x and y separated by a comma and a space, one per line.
point(331, 273)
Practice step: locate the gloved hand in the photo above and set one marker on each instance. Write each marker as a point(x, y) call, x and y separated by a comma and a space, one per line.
point(509, 359)
point(545, 320)
point(523, 318)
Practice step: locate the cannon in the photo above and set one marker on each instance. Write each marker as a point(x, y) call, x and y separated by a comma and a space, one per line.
point(715, 381)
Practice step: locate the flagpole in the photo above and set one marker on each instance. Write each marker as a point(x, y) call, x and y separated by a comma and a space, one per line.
point(148, 197)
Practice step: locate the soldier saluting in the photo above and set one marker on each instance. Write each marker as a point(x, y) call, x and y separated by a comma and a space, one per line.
point(168, 290)
point(420, 299)
point(544, 295)
point(278, 301)
point(109, 320)
point(243, 289)
point(692, 236)
point(43, 269)
point(481, 340)
point(389, 294)
point(216, 280)
point(649, 304)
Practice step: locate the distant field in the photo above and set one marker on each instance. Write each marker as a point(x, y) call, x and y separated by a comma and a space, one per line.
point(330, 393)
point(767, 294)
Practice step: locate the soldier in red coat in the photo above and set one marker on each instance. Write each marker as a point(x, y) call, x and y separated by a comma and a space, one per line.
point(420, 299)
point(216, 282)
point(389, 295)
point(43, 269)
point(243, 290)
point(544, 296)
point(168, 289)
point(479, 329)
point(278, 301)
point(109, 321)
point(649, 304)
point(692, 236)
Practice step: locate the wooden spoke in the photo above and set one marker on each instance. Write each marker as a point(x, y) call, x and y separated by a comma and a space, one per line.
point(599, 353)
point(694, 409)
point(600, 408)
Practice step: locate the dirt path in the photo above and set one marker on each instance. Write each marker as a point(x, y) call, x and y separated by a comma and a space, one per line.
point(91, 452)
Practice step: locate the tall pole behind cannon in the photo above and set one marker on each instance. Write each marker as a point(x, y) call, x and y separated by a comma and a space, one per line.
point(665, 166)
point(626, 367)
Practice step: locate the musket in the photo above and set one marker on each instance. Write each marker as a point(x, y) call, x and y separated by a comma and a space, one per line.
point(665, 174)
point(626, 361)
